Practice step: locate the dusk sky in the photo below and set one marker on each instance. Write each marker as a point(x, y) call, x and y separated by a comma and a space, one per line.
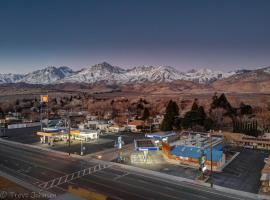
point(224, 35)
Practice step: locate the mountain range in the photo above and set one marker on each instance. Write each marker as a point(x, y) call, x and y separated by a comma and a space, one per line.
point(142, 79)
point(109, 74)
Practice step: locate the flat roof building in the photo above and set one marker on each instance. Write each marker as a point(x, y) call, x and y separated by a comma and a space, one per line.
point(265, 177)
point(190, 148)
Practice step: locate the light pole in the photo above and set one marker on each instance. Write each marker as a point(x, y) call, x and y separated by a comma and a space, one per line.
point(211, 158)
point(81, 147)
point(41, 115)
point(69, 134)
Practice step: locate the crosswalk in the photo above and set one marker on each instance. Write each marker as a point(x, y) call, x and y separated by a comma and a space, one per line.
point(70, 177)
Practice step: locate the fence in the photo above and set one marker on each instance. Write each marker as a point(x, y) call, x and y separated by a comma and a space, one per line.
point(24, 125)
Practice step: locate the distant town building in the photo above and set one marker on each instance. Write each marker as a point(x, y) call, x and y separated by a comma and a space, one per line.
point(243, 140)
point(115, 128)
point(136, 125)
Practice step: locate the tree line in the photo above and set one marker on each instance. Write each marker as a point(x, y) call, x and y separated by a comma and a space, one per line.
point(219, 113)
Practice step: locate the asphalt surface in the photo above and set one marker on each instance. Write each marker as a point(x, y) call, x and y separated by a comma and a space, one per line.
point(23, 135)
point(38, 166)
point(29, 136)
point(93, 147)
point(244, 172)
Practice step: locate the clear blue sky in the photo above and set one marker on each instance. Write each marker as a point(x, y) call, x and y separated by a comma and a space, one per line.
point(187, 34)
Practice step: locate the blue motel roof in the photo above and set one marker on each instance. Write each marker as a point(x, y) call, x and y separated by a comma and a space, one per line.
point(195, 152)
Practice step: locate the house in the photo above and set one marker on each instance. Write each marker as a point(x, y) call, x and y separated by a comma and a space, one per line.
point(115, 128)
point(136, 125)
point(156, 121)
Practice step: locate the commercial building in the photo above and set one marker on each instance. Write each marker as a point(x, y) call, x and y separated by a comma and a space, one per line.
point(145, 145)
point(242, 140)
point(52, 134)
point(85, 134)
point(265, 177)
point(115, 128)
point(101, 125)
point(159, 137)
point(192, 147)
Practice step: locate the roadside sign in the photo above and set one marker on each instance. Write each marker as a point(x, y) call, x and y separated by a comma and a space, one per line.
point(44, 98)
point(119, 142)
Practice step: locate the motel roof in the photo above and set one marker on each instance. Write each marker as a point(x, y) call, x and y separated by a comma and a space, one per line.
point(195, 152)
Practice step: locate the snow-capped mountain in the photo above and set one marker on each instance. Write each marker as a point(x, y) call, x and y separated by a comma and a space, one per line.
point(10, 78)
point(44, 76)
point(153, 74)
point(97, 73)
point(47, 76)
point(109, 74)
point(206, 75)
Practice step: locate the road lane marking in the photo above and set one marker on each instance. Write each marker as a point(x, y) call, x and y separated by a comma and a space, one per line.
point(70, 177)
point(120, 176)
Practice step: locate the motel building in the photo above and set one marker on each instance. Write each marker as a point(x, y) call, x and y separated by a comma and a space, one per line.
point(190, 149)
point(238, 139)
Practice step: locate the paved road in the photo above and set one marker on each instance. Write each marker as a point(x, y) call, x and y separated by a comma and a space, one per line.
point(37, 166)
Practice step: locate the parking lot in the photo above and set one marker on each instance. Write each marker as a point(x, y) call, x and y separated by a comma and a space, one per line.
point(244, 172)
point(107, 141)
point(23, 135)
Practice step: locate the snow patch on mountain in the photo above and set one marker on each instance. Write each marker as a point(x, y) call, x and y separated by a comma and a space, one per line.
point(97, 73)
point(47, 75)
point(10, 78)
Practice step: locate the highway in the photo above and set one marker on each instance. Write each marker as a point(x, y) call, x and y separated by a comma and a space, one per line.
point(37, 166)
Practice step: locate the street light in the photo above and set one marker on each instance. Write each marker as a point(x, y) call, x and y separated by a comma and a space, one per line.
point(82, 148)
point(69, 121)
point(211, 157)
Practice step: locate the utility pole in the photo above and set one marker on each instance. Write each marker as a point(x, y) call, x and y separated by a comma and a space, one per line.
point(81, 147)
point(41, 115)
point(48, 110)
point(69, 122)
point(211, 157)
point(150, 120)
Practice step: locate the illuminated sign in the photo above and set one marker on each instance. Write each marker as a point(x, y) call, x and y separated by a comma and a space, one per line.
point(44, 98)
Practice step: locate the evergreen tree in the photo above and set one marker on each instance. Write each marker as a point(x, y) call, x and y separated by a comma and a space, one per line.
point(146, 114)
point(172, 111)
point(195, 105)
point(245, 109)
point(214, 103)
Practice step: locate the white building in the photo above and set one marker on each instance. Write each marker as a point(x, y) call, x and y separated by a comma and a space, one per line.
point(116, 128)
point(85, 134)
